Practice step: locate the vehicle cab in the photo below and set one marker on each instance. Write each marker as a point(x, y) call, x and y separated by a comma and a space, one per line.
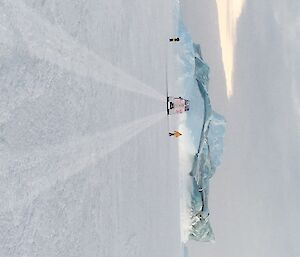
point(177, 105)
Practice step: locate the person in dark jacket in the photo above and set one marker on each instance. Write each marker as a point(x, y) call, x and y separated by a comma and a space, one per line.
point(174, 39)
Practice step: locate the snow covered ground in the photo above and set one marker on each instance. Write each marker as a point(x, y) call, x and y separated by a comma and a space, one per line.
point(86, 164)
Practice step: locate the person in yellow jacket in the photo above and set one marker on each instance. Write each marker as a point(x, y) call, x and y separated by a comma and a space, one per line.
point(175, 134)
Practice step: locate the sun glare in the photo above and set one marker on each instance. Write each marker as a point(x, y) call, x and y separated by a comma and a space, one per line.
point(229, 12)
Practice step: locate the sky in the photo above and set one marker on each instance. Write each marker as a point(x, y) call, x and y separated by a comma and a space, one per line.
point(254, 193)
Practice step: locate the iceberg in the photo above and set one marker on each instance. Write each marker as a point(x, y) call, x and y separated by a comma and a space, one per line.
point(207, 129)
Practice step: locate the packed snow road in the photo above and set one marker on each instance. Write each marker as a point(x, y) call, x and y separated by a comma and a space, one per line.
point(86, 165)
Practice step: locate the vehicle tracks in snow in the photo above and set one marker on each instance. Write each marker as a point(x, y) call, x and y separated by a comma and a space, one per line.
point(47, 166)
point(50, 43)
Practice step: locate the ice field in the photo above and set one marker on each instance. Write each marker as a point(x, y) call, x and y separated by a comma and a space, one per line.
point(86, 164)
point(87, 167)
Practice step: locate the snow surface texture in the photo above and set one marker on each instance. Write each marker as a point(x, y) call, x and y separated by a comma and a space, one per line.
point(82, 113)
point(86, 164)
point(201, 151)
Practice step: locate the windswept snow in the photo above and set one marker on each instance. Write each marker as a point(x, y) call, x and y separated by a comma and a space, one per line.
point(86, 164)
point(71, 157)
point(50, 43)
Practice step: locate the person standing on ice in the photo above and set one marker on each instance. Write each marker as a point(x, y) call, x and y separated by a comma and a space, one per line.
point(175, 134)
point(176, 39)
